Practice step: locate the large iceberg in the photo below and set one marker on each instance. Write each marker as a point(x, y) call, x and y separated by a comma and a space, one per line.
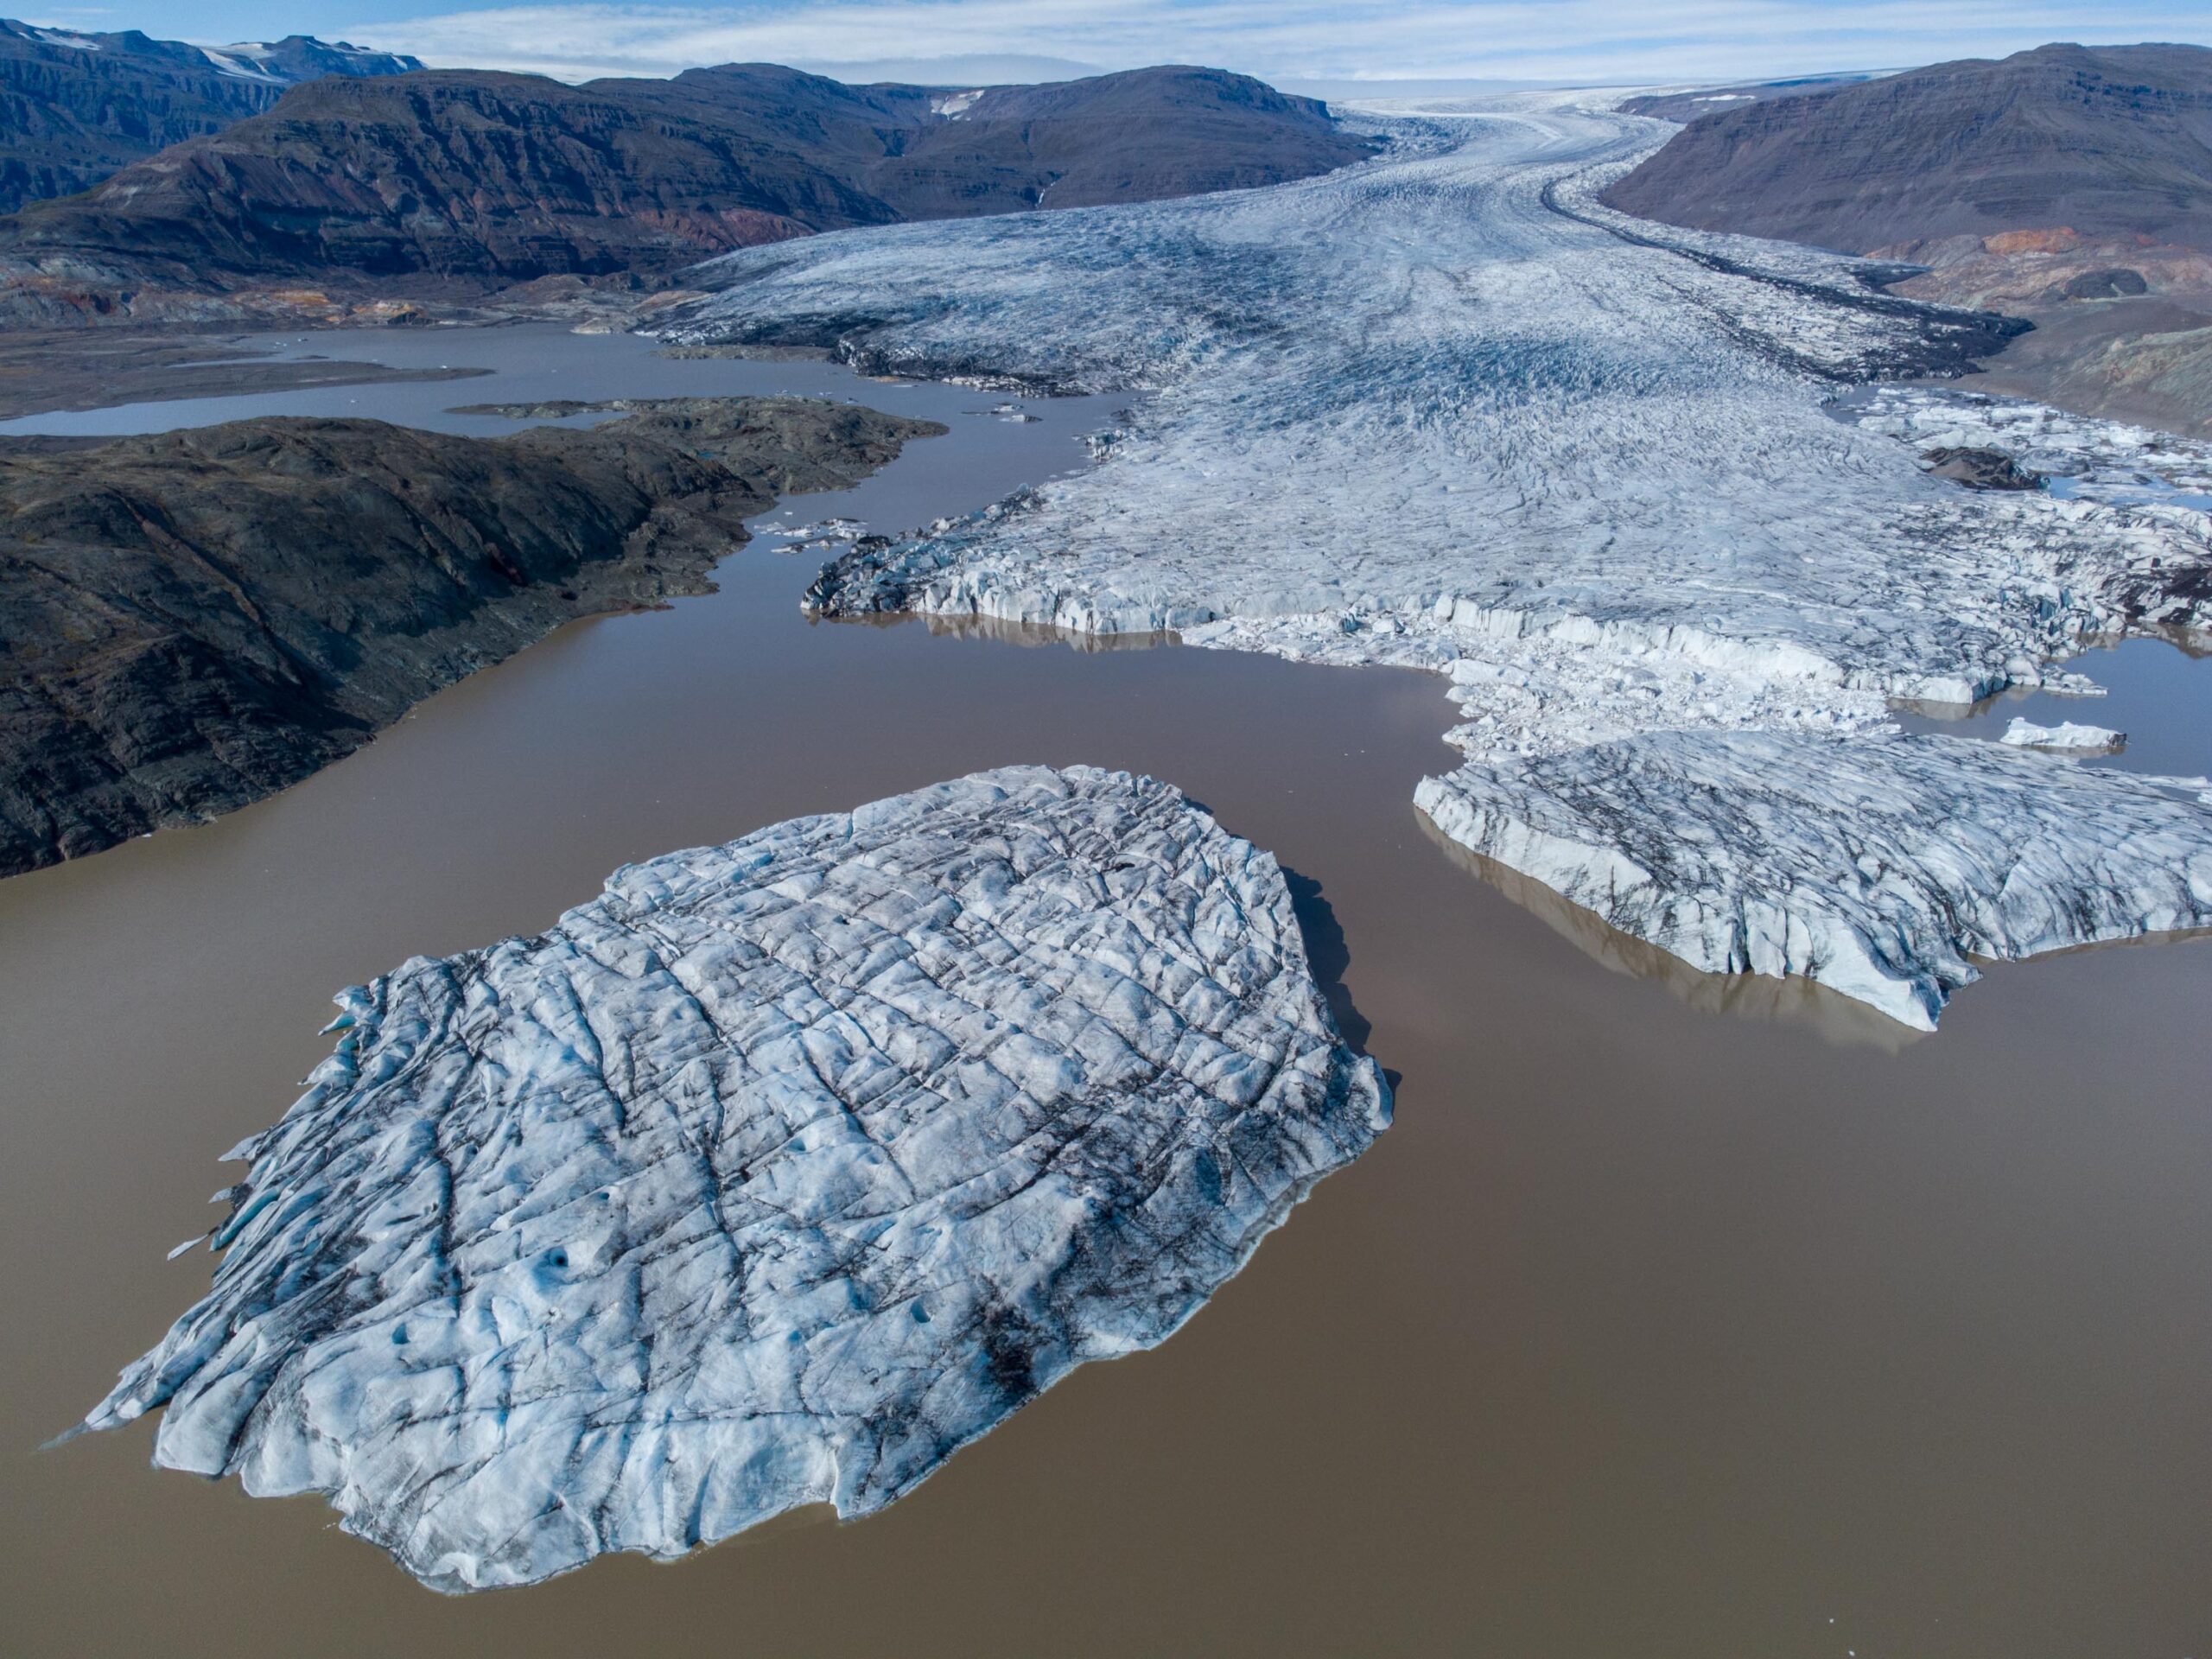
point(770, 1177)
point(1443, 410)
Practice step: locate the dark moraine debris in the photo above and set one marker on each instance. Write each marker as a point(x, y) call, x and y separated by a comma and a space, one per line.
point(772, 1176)
point(777, 440)
point(2112, 283)
point(1982, 469)
point(191, 621)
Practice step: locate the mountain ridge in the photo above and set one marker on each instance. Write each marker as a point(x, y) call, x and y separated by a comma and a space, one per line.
point(77, 106)
point(2107, 139)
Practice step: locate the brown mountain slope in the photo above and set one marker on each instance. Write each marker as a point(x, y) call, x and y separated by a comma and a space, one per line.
point(1136, 136)
point(495, 178)
point(2108, 139)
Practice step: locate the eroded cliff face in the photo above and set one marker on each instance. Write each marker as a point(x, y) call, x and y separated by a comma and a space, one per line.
point(191, 621)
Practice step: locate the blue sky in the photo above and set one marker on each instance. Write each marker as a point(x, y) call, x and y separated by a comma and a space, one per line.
point(1578, 40)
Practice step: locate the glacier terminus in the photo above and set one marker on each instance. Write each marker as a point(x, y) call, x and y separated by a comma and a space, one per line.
point(1443, 410)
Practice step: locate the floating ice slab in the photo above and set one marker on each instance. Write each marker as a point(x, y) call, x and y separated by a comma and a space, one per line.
point(772, 1176)
point(1445, 410)
point(1877, 866)
point(2067, 736)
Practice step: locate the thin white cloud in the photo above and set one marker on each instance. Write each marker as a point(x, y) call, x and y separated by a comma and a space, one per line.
point(1590, 39)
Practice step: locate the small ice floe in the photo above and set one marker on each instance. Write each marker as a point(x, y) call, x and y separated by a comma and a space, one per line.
point(2071, 737)
point(829, 532)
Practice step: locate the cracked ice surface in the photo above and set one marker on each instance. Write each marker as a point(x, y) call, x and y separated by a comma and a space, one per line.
point(2108, 457)
point(1443, 410)
point(771, 1176)
point(1927, 849)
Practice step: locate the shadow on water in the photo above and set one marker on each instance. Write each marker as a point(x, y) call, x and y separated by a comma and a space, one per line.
point(1833, 1017)
point(1328, 955)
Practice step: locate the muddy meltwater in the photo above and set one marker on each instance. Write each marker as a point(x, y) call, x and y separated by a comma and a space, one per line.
point(1675, 1315)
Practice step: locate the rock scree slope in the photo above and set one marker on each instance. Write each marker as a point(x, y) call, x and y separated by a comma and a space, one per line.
point(772, 1176)
point(193, 621)
point(2100, 139)
point(2068, 186)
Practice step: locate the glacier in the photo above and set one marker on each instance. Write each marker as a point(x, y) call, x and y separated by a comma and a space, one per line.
point(770, 1177)
point(1615, 481)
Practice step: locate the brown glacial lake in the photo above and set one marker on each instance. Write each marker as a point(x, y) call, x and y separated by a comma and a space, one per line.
point(1673, 1317)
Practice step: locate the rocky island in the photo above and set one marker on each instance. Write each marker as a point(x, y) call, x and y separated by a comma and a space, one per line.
point(770, 1177)
point(192, 621)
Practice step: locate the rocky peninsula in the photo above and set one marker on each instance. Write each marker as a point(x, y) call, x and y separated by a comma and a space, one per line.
point(191, 621)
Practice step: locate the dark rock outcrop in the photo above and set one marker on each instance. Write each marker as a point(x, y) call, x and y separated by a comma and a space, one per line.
point(76, 107)
point(2102, 139)
point(191, 621)
point(468, 177)
point(2112, 283)
point(1982, 469)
